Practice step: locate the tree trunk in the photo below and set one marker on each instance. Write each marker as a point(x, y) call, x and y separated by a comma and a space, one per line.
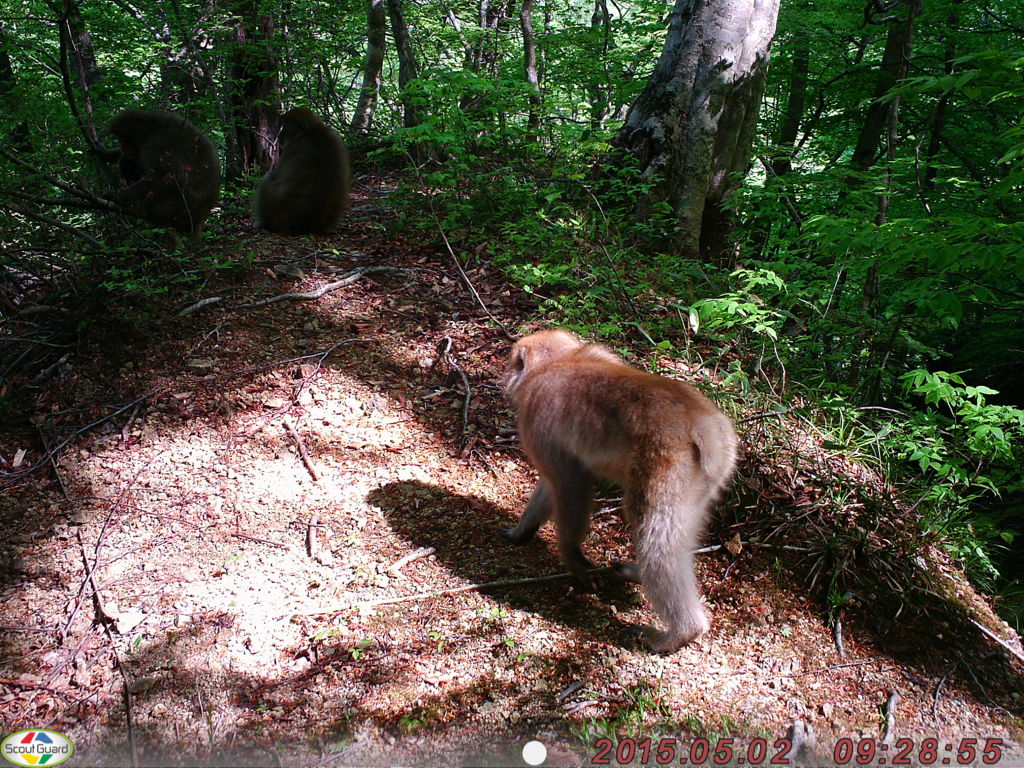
point(254, 90)
point(18, 138)
point(600, 23)
point(376, 40)
point(782, 161)
point(530, 65)
point(895, 60)
point(938, 121)
point(80, 49)
point(692, 127)
point(79, 69)
point(485, 52)
point(181, 81)
point(408, 70)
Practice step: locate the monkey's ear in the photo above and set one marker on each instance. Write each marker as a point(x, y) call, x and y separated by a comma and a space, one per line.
point(516, 370)
point(518, 361)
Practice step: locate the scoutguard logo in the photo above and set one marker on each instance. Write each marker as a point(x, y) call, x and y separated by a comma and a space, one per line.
point(38, 747)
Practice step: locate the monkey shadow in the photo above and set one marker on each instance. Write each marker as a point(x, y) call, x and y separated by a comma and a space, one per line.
point(464, 532)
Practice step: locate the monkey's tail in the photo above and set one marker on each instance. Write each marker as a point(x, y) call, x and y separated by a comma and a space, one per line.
point(717, 445)
point(674, 510)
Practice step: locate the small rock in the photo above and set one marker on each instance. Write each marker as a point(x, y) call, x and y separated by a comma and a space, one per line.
point(127, 621)
point(289, 271)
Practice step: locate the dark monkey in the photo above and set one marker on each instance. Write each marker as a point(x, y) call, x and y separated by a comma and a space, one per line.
point(170, 167)
point(307, 190)
point(585, 414)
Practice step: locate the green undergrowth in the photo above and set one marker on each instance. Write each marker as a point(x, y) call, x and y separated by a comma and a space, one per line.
point(893, 439)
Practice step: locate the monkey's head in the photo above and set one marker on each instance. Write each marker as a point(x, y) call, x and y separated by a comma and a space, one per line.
point(533, 352)
point(295, 123)
point(130, 127)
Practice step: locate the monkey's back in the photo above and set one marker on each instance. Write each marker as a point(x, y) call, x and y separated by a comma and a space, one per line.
point(307, 191)
point(599, 410)
point(176, 164)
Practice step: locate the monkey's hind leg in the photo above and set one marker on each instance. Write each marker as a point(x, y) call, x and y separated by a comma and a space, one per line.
point(572, 494)
point(669, 528)
point(538, 510)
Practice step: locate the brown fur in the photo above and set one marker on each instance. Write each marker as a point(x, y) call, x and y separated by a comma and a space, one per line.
point(170, 167)
point(585, 414)
point(307, 190)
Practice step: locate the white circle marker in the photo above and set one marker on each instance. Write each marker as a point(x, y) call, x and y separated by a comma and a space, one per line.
point(534, 753)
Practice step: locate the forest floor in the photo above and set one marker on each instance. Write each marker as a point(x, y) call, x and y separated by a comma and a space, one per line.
point(243, 566)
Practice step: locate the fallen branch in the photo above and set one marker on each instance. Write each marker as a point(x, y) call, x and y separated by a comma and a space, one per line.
point(320, 357)
point(9, 478)
point(312, 543)
point(469, 587)
point(352, 277)
point(831, 668)
point(415, 555)
point(764, 415)
point(462, 274)
point(1006, 645)
point(199, 305)
point(302, 451)
point(837, 634)
point(890, 716)
point(444, 351)
point(258, 540)
point(938, 692)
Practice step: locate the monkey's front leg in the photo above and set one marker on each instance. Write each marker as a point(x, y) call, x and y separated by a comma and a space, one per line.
point(538, 510)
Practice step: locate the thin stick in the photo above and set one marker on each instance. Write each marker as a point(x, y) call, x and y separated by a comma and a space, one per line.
point(444, 349)
point(415, 555)
point(471, 587)
point(832, 668)
point(10, 477)
point(890, 716)
point(311, 540)
point(837, 634)
point(999, 640)
point(356, 274)
point(935, 696)
point(453, 591)
point(462, 273)
point(302, 451)
point(199, 305)
point(258, 540)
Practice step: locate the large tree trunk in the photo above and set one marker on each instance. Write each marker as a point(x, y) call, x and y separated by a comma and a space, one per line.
point(692, 127)
point(254, 90)
point(600, 23)
point(376, 39)
point(408, 70)
point(80, 73)
point(893, 69)
point(18, 138)
point(938, 121)
point(782, 159)
point(530, 66)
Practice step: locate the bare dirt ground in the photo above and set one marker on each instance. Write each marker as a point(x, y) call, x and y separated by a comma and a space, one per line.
point(242, 567)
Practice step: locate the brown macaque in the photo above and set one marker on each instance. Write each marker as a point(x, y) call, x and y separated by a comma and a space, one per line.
point(584, 414)
point(307, 190)
point(170, 168)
